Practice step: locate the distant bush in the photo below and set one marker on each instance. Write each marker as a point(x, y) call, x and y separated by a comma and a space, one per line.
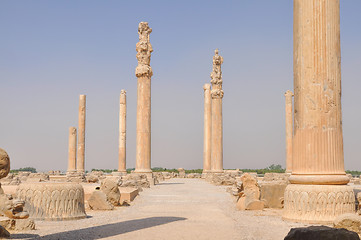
point(194, 171)
point(271, 169)
point(353, 173)
point(105, 170)
point(25, 169)
point(159, 169)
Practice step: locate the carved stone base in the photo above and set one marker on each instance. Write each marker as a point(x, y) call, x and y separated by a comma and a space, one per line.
point(317, 203)
point(53, 201)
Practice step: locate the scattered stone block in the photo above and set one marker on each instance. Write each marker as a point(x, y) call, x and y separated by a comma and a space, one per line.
point(321, 232)
point(18, 224)
point(349, 221)
point(111, 188)
point(99, 201)
point(181, 173)
point(250, 194)
point(128, 194)
point(272, 193)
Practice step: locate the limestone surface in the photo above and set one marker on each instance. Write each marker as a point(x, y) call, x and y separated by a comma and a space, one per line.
point(349, 221)
point(250, 194)
point(99, 201)
point(4, 163)
point(53, 201)
point(111, 189)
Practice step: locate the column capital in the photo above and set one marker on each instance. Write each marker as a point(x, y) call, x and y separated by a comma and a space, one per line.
point(216, 75)
point(217, 93)
point(144, 49)
point(206, 87)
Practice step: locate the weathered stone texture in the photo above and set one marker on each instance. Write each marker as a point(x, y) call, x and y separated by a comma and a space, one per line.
point(80, 164)
point(217, 119)
point(122, 132)
point(53, 201)
point(99, 201)
point(317, 203)
point(143, 73)
point(349, 221)
point(272, 193)
point(111, 190)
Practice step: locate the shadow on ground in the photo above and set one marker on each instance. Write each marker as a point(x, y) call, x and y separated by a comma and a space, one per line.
point(104, 231)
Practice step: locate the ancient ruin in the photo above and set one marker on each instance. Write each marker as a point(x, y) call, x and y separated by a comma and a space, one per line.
point(122, 132)
point(207, 132)
point(144, 73)
point(72, 150)
point(217, 122)
point(53, 201)
point(318, 192)
point(80, 164)
point(289, 131)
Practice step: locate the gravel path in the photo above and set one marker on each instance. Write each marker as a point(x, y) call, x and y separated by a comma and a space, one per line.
point(175, 209)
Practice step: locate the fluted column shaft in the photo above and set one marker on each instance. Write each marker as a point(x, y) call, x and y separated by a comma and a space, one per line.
point(81, 135)
point(318, 143)
point(289, 131)
point(122, 131)
point(144, 73)
point(143, 148)
point(217, 135)
point(217, 121)
point(207, 141)
point(72, 150)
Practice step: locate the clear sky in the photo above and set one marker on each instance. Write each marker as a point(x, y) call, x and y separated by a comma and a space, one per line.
point(53, 51)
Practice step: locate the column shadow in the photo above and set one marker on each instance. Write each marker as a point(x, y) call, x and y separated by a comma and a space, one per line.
point(106, 230)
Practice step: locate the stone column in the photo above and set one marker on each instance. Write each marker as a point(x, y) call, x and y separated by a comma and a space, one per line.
point(217, 123)
point(318, 191)
point(122, 132)
point(81, 135)
point(144, 73)
point(207, 141)
point(289, 131)
point(72, 150)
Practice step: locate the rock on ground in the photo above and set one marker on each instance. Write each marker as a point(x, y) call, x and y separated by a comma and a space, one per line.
point(321, 233)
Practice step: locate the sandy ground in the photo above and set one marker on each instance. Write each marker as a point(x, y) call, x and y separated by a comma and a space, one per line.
point(175, 209)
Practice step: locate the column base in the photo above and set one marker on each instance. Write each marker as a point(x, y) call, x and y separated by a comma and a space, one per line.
point(317, 204)
point(319, 179)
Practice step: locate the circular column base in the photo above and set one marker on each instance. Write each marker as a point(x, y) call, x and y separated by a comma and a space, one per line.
point(53, 201)
point(317, 203)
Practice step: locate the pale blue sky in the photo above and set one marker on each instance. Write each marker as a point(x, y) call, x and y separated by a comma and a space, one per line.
point(52, 51)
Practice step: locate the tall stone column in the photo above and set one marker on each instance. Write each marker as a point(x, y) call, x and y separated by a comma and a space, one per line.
point(144, 73)
point(217, 122)
point(72, 150)
point(318, 191)
point(122, 131)
point(207, 141)
point(81, 135)
point(289, 131)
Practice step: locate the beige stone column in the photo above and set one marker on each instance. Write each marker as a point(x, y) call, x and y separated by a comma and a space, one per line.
point(318, 192)
point(81, 135)
point(72, 150)
point(289, 131)
point(217, 122)
point(122, 132)
point(144, 73)
point(207, 141)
